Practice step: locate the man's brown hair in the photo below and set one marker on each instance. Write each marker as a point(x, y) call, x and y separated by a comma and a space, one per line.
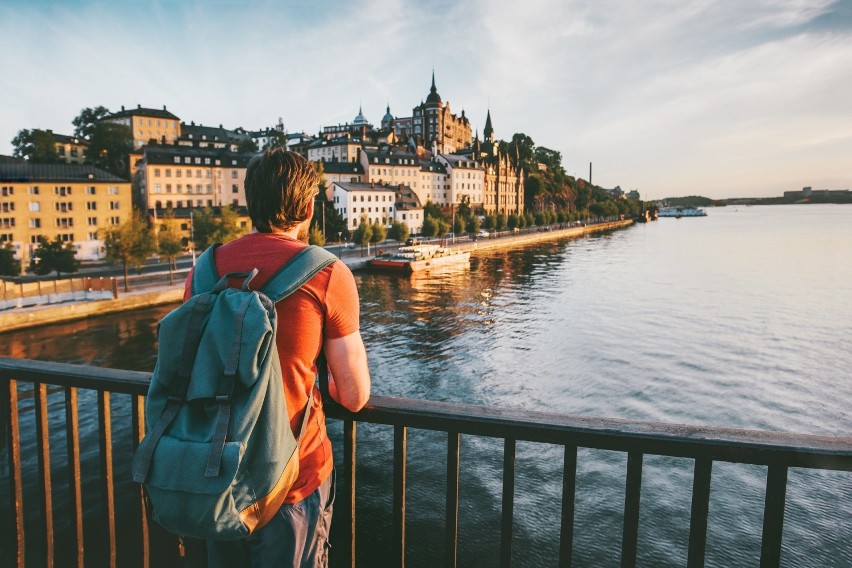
point(280, 186)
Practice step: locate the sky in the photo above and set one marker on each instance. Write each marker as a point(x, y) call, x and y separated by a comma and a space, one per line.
point(728, 98)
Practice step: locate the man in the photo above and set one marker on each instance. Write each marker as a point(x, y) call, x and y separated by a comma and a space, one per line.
point(324, 314)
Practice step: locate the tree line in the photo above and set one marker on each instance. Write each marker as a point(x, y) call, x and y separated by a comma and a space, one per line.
point(131, 243)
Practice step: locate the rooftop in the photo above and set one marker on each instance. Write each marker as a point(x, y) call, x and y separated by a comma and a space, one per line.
point(27, 171)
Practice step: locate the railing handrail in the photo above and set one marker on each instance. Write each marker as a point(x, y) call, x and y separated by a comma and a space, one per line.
point(657, 438)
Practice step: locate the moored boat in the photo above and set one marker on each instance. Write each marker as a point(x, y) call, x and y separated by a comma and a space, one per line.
point(419, 257)
point(679, 212)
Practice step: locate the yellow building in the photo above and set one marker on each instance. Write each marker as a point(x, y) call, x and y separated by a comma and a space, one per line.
point(148, 124)
point(72, 149)
point(72, 202)
point(180, 221)
point(183, 176)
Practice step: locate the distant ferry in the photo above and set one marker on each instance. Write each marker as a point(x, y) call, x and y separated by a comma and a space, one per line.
point(419, 257)
point(679, 212)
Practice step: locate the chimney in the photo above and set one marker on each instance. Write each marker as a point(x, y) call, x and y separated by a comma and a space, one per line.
point(164, 107)
point(138, 106)
point(122, 108)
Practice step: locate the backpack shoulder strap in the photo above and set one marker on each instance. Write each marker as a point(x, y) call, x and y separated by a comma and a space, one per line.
point(205, 275)
point(293, 275)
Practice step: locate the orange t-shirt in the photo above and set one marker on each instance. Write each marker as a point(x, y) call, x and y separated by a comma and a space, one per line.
point(326, 307)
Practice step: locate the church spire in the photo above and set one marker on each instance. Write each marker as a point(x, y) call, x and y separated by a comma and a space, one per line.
point(488, 133)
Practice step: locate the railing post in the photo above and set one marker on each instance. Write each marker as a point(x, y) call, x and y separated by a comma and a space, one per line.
point(399, 447)
point(349, 501)
point(631, 509)
point(105, 439)
point(569, 488)
point(43, 444)
point(773, 516)
point(138, 425)
point(75, 494)
point(700, 509)
point(15, 479)
point(451, 541)
point(507, 518)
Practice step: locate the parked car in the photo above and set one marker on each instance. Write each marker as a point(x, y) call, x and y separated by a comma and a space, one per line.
point(413, 242)
point(482, 234)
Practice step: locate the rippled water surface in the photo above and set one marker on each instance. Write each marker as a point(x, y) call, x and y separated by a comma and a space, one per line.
point(739, 319)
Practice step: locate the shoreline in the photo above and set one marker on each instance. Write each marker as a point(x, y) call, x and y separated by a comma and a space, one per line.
point(24, 318)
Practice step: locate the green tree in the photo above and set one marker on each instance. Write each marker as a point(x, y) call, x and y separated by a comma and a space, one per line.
point(513, 221)
point(36, 146)
point(529, 218)
point(432, 209)
point(275, 138)
point(129, 243)
point(169, 241)
point(315, 237)
point(84, 123)
point(430, 226)
point(491, 221)
point(363, 233)
point(109, 147)
point(9, 265)
point(500, 223)
point(54, 255)
point(210, 226)
point(247, 146)
point(380, 232)
point(459, 225)
point(473, 224)
point(399, 231)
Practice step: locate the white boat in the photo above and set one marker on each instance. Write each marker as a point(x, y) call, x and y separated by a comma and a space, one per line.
point(679, 212)
point(419, 257)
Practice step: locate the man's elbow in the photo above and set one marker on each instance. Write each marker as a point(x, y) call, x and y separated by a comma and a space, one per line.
point(354, 399)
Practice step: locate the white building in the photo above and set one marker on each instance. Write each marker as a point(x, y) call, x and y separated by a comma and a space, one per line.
point(357, 201)
point(467, 178)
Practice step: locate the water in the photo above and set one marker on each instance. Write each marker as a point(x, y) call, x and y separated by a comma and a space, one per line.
point(739, 319)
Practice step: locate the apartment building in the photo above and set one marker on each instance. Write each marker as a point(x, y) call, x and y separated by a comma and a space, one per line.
point(148, 124)
point(69, 201)
point(358, 201)
point(182, 176)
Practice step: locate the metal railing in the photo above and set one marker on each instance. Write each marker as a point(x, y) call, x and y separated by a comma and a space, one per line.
point(778, 451)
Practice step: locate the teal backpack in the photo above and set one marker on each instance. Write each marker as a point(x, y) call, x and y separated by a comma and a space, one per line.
point(219, 456)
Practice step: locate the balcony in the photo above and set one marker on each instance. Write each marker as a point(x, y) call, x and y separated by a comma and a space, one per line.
point(124, 535)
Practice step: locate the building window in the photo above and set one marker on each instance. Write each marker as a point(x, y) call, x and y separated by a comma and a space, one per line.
point(62, 191)
point(235, 188)
point(168, 188)
point(177, 159)
point(113, 205)
point(197, 172)
point(32, 190)
point(168, 172)
point(178, 173)
point(114, 220)
point(112, 190)
point(64, 222)
point(63, 206)
point(93, 235)
point(233, 174)
point(90, 190)
point(92, 221)
point(35, 206)
point(156, 172)
point(157, 188)
point(91, 206)
point(35, 223)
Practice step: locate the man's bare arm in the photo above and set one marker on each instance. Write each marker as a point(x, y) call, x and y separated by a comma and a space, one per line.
point(349, 382)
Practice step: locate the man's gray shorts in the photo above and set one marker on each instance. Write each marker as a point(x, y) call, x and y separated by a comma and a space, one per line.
point(297, 536)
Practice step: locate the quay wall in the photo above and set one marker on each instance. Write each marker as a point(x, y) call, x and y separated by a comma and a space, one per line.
point(21, 318)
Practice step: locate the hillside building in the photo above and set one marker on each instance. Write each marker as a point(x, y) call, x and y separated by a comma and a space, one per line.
point(69, 201)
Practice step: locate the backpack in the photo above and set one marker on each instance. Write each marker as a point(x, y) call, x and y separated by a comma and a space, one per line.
point(219, 456)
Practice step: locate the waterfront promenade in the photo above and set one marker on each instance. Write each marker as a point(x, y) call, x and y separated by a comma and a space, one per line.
point(355, 258)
